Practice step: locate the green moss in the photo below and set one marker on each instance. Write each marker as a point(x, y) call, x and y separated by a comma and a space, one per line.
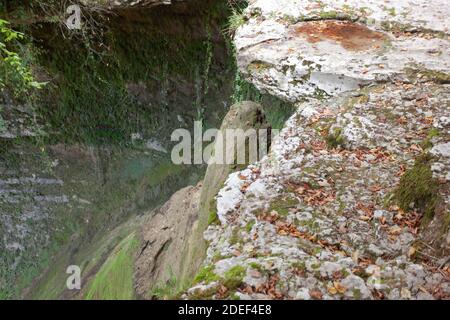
point(392, 11)
point(342, 206)
point(206, 274)
point(250, 225)
point(427, 144)
point(234, 296)
point(233, 278)
point(394, 26)
point(282, 205)
point(316, 251)
point(315, 265)
point(213, 218)
point(356, 294)
point(299, 265)
point(258, 212)
point(235, 236)
point(257, 266)
point(335, 139)
point(218, 256)
point(115, 278)
point(329, 15)
point(418, 187)
point(436, 76)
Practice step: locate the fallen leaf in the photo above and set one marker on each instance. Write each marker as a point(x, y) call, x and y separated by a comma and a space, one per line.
point(242, 177)
point(332, 290)
point(411, 251)
point(339, 287)
point(405, 293)
point(316, 294)
point(395, 230)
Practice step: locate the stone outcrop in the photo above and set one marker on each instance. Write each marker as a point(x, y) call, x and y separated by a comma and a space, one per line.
point(340, 208)
point(244, 115)
point(172, 237)
point(296, 48)
point(164, 236)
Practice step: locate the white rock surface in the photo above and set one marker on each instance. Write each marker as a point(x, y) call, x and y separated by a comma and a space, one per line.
point(286, 54)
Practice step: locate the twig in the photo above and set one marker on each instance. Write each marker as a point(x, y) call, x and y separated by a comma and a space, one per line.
point(444, 263)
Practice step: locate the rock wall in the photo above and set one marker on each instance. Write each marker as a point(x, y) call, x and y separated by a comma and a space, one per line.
point(90, 150)
point(341, 207)
point(172, 246)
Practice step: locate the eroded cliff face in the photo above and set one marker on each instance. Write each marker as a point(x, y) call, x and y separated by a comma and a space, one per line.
point(353, 200)
point(91, 151)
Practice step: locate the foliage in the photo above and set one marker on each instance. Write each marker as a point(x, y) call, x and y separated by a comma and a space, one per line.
point(233, 277)
point(236, 20)
point(206, 274)
point(115, 278)
point(419, 189)
point(14, 71)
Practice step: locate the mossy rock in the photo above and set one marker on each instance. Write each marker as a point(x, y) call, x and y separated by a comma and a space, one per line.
point(418, 189)
point(282, 205)
point(335, 138)
point(243, 115)
point(115, 278)
point(234, 277)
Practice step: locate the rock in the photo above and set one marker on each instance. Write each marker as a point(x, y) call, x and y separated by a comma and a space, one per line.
point(203, 290)
point(328, 268)
point(424, 296)
point(165, 239)
point(369, 97)
point(244, 115)
point(255, 278)
point(284, 53)
point(356, 288)
point(441, 150)
point(303, 294)
point(373, 249)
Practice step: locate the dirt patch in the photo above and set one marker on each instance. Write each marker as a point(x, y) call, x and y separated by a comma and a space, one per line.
point(351, 36)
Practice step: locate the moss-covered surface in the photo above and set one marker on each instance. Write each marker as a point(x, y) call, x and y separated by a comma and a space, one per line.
point(52, 284)
point(206, 275)
point(282, 205)
point(233, 277)
point(126, 81)
point(334, 138)
point(427, 143)
point(114, 280)
point(421, 73)
point(213, 218)
point(249, 225)
point(141, 73)
point(418, 189)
